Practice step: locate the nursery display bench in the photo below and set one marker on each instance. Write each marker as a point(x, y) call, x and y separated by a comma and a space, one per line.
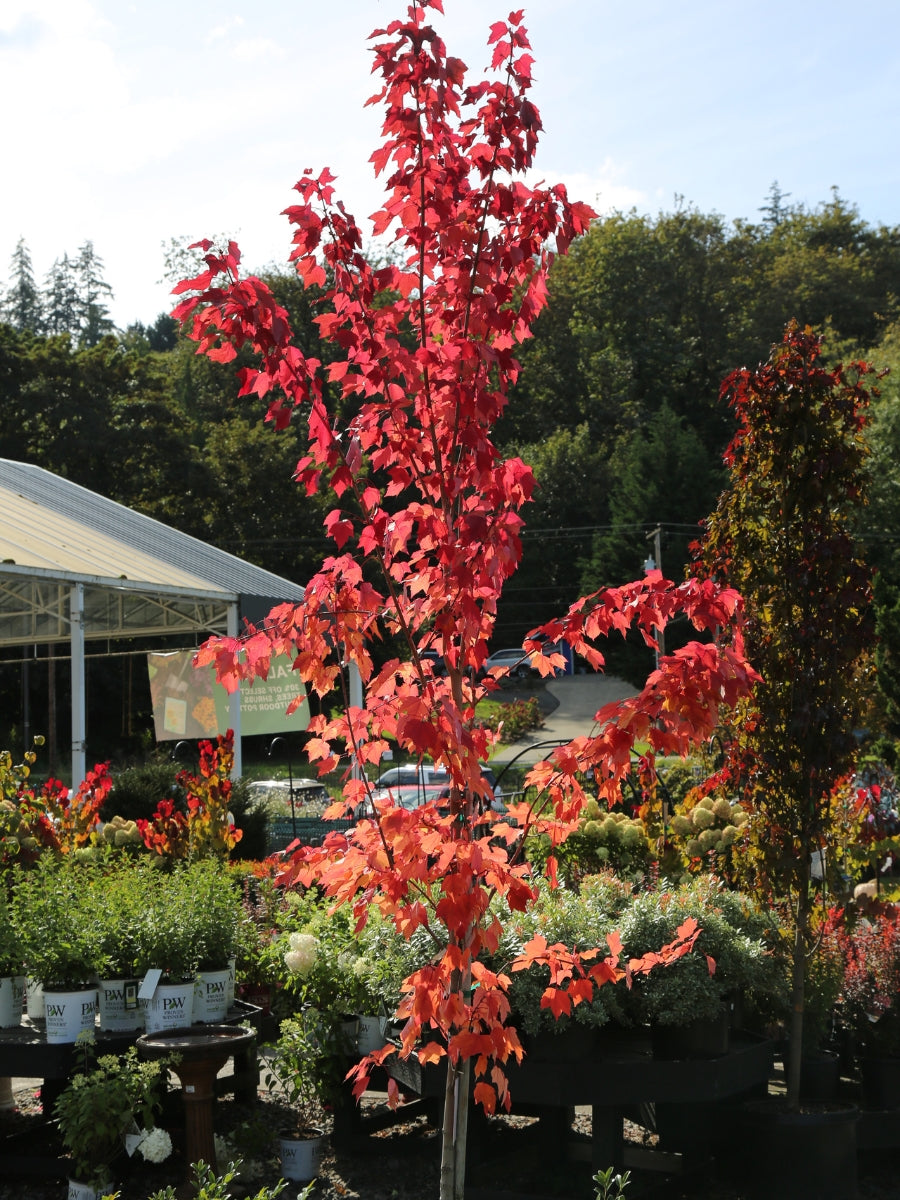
point(26, 1054)
point(615, 1081)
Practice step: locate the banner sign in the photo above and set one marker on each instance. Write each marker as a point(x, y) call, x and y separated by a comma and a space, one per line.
point(190, 703)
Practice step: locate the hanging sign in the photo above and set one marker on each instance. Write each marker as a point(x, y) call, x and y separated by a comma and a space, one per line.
point(188, 702)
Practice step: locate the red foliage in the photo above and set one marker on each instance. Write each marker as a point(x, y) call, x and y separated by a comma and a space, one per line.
point(427, 522)
point(207, 828)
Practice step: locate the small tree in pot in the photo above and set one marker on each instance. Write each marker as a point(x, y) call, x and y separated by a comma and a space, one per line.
point(782, 535)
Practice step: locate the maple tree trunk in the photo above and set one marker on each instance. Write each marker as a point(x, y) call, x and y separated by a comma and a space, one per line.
point(455, 1130)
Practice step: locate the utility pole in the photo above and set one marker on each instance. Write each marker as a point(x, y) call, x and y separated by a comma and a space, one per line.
point(650, 565)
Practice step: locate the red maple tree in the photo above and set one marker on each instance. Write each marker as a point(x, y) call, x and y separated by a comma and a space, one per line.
point(426, 531)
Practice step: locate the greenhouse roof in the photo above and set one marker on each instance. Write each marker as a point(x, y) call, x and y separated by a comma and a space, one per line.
point(140, 577)
point(75, 566)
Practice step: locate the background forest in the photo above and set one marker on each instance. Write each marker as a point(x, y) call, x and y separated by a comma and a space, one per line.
point(617, 409)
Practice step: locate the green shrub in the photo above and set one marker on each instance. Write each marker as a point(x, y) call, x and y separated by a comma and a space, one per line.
point(604, 841)
point(137, 790)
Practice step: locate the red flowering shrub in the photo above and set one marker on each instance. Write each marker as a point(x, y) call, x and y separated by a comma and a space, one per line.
point(208, 829)
point(869, 1000)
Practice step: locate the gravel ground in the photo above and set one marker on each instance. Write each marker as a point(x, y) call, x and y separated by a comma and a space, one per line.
point(400, 1160)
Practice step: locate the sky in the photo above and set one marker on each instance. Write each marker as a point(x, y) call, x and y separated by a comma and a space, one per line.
point(130, 124)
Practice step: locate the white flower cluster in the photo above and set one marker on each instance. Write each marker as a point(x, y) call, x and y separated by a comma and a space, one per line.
point(301, 958)
point(155, 1146)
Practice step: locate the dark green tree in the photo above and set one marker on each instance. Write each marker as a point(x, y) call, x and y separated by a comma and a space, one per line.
point(93, 296)
point(22, 304)
point(571, 498)
point(662, 476)
point(61, 306)
point(637, 318)
point(880, 531)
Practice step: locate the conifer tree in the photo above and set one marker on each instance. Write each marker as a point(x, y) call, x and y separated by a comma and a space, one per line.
point(22, 307)
point(93, 292)
point(60, 299)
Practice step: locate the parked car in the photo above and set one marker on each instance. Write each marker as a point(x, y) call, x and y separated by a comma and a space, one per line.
point(412, 775)
point(515, 659)
point(427, 778)
point(438, 666)
point(408, 796)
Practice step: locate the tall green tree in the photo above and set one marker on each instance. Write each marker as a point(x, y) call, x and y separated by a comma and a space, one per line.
point(571, 497)
point(22, 304)
point(880, 530)
point(662, 476)
point(782, 534)
point(94, 294)
point(61, 306)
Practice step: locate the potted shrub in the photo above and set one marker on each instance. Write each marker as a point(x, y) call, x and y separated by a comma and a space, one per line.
point(107, 1101)
point(350, 980)
point(300, 1068)
point(53, 912)
point(573, 918)
point(12, 974)
point(693, 994)
point(215, 918)
point(168, 944)
point(604, 840)
point(868, 1004)
point(123, 902)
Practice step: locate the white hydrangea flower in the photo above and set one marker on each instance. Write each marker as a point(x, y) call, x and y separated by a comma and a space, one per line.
point(155, 1146)
point(301, 958)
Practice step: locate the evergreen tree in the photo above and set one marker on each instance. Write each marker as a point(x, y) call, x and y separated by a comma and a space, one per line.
point(22, 307)
point(60, 299)
point(662, 476)
point(93, 292)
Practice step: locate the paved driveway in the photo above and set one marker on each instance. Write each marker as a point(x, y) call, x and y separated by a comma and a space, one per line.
point(577, 698)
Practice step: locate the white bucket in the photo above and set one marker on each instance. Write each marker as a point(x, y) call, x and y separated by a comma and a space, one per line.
point(69, 1013)
point(348, 1035)
point(301, 1157)
point(371, 1034)
point(211, 996)
point(232, 975)
point(34, 998)
point(120, 1011)
point(81, 1191)
point(12, 992)
point(170, 1007)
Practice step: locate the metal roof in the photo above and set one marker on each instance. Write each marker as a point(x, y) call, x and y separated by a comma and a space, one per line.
point(139, 575)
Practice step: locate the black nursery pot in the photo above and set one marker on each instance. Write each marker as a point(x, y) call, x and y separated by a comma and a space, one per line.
point(805, 1155)
point(880, 1082)
point(820, 1075)
point(703, 1038)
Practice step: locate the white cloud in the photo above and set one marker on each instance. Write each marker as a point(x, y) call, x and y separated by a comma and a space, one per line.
point(256, 49)
point(221, 31)
point(61, 18)
point(602, 187)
